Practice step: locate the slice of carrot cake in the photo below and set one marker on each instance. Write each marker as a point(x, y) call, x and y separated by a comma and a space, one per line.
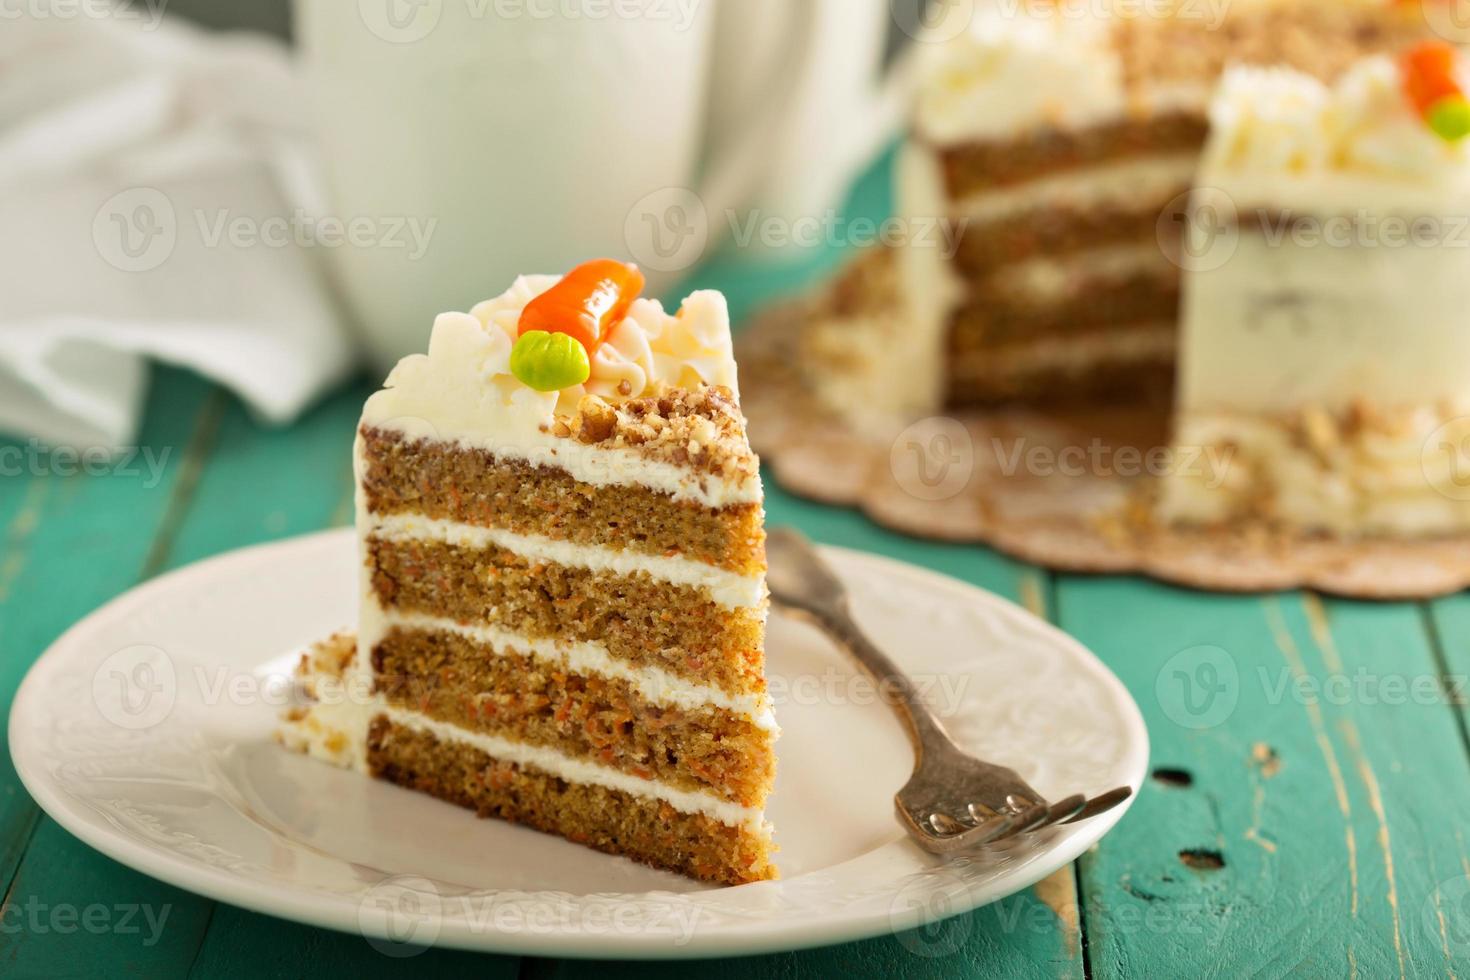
point(563, 594)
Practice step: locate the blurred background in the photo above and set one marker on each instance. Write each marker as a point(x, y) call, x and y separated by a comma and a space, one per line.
point(278, 196)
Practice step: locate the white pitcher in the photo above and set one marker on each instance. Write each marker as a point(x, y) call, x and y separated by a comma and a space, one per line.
point(528, 135)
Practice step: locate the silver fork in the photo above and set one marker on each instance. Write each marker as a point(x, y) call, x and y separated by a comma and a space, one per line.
point(953, 801)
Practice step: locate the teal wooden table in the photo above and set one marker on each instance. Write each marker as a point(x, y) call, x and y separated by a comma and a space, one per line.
point(1307, 810)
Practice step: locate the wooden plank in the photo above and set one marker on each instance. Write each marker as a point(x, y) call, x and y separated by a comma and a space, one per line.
point(1448, 620)
point(243, 944)
point(73, 542)
point(1289, 834)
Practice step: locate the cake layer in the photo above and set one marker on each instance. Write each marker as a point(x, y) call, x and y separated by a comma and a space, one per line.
point(1132, 181)
point(1085, 306)
point(444, 481)
point(510, 693)
point(724, 587)
point(973, 168)
point(1066, 230)
point(340, 706)
point(634, 616)
point(600, 817)
point(1133, 364)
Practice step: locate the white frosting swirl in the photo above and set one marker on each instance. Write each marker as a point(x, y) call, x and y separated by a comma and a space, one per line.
point(1009, 72)
point(648, 348)
point(462, 389)
point(1278, 121)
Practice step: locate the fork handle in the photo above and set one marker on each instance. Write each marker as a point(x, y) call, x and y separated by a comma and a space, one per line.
point(924, 728)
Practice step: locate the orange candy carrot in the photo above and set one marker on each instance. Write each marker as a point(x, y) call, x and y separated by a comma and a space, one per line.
point(587, 304)
point(1429, 74)
point(1432, 85)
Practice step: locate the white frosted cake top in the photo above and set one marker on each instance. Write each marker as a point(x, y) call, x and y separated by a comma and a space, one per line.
point(463, 390)
point(1008, 71)
point(1282, 137)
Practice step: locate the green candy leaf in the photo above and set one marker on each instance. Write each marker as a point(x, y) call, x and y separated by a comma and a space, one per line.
point(1450, 118)
point(549, 361)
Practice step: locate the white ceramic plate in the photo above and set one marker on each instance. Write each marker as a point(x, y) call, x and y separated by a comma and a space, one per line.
point(147, 732)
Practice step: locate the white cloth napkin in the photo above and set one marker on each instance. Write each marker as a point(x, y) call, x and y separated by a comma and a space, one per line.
point(153, 183)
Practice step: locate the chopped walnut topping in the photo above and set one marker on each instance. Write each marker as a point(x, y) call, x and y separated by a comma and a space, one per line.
point(702, 428)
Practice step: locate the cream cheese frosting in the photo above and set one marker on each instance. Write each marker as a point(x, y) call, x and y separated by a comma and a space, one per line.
point(1321, 311)
point(730, 589)
point(1012, 70)
point(1279, 137)
point(463, 390)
